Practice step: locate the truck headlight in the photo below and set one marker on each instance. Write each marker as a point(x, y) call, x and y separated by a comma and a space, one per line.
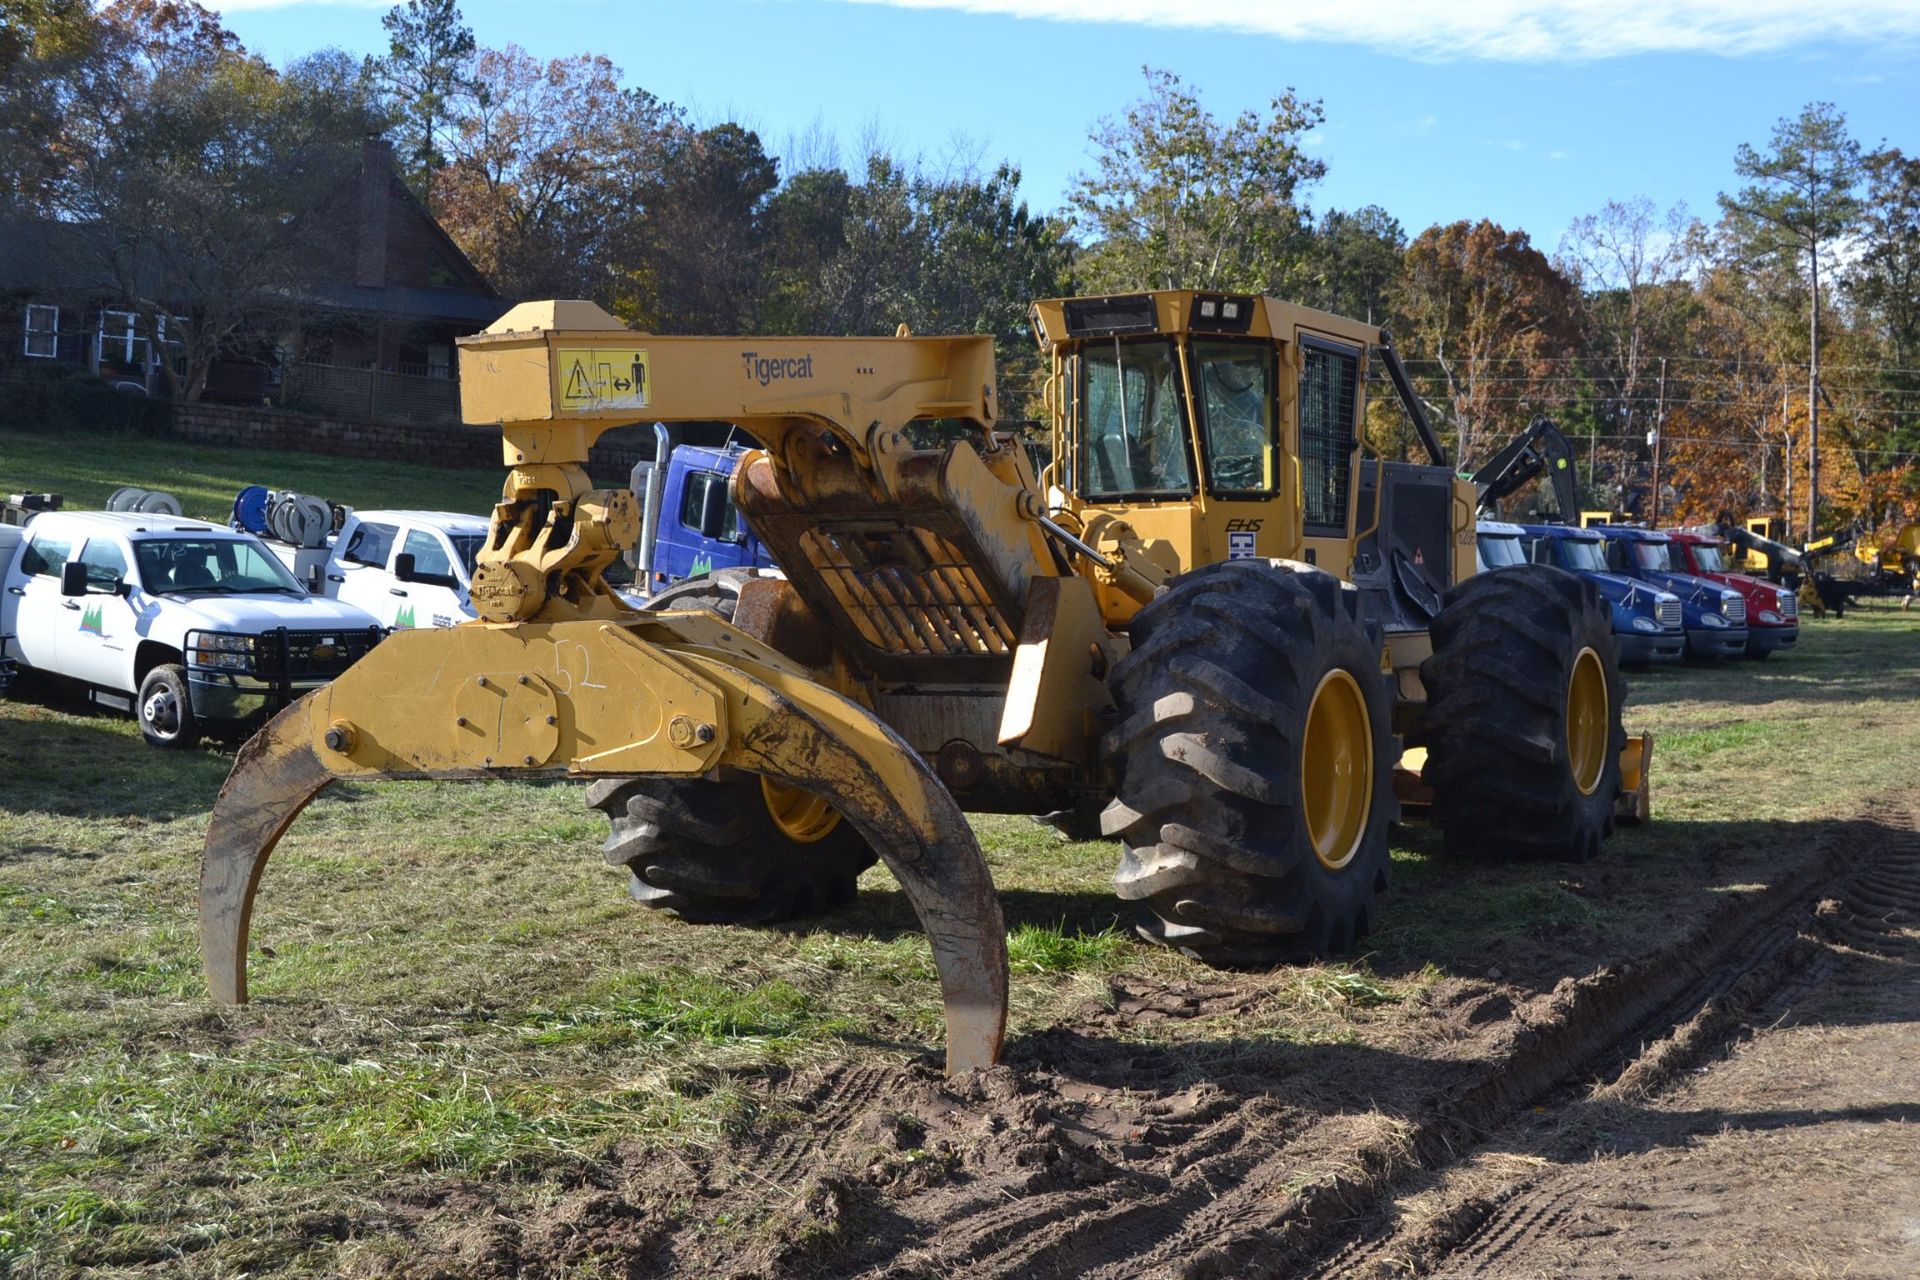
point(1645, 624)
point(221, 651)
point(1713, 620)
point(1771, 618)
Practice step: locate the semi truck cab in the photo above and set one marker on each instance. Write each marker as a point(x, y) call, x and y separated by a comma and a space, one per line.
point(1648, 622)
point(1715, 616)
point(1773, 614)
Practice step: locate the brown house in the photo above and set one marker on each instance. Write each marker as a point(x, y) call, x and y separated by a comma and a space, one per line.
point(365, 330)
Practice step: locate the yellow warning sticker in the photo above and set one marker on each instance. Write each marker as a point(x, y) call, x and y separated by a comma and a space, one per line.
point(596, 379)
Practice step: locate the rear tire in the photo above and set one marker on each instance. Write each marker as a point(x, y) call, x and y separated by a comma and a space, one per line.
point(1246, 847)
point(709, 850)
point(1522, 757)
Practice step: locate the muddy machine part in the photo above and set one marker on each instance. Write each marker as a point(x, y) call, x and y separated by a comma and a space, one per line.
point(558, 677)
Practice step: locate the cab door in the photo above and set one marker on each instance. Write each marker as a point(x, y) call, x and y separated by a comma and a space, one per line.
point(41, 614)
point(432, 598)
point(100, 648)
point(364, 579)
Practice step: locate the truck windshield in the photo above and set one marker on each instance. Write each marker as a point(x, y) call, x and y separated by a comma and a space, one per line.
point(1708, 558)
point(1651, 555)
point(1498, 550)
point(1583, 557)
point(1133, 429)
point(228, 566)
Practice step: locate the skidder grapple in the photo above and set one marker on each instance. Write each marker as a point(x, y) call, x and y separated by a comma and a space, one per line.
point(1208, 624)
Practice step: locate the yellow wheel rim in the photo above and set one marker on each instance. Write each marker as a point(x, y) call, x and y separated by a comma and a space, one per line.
point(802, 816)
point(1336, 769)
point(1587, 721)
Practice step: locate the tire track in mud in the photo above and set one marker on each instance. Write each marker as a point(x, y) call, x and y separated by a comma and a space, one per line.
point(1284, 1193)
point(1840, 943)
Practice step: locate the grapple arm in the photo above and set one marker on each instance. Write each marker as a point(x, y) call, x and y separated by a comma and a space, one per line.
point(675, 695)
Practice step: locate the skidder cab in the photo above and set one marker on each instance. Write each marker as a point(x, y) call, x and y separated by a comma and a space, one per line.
point(1210, 621)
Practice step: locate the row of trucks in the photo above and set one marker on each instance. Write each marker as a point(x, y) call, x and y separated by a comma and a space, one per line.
point(1671, 592)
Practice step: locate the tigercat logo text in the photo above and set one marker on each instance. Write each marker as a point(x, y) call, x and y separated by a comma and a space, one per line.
point(767, 370)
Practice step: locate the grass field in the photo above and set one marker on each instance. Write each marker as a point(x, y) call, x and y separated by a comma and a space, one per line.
point(450, 987)
point(205, 478)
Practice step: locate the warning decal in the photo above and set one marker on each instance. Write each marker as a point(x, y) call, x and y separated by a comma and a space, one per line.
point(1240, 546)
point(593, 380)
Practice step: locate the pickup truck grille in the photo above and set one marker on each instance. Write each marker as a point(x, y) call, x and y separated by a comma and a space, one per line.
point(1736, 610)
point(311, 655)
point(1667, 614)
point(1789, 605)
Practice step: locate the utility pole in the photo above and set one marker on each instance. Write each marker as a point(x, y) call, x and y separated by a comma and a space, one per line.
point(1813, 406)
point(1659, 425)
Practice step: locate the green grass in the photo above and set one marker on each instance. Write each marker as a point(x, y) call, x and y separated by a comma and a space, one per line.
point(205, 478)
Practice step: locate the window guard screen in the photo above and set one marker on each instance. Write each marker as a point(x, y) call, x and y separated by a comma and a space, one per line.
point(1329, 383)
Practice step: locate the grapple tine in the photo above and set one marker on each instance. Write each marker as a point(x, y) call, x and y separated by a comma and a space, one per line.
point(913, 823)
point(756, 717)
point(274, 776)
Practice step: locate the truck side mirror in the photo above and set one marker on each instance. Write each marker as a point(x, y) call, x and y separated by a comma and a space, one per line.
point(713, 510)
point(73, 578)
point(403, 566)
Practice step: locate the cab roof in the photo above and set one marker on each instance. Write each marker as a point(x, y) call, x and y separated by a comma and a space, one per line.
point(445, 521)
point(129, 524)
point(1501, 528)
point(1570, 532)
point(1628, 533)
point(1692, 537)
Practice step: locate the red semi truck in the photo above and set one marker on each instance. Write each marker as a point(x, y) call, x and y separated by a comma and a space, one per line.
point(1773, 615)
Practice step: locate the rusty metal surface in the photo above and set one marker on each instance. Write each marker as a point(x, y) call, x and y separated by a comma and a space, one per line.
point(273, 778)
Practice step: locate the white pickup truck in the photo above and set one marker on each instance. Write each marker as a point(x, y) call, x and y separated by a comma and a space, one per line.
point(406, 568)
point(193, 627)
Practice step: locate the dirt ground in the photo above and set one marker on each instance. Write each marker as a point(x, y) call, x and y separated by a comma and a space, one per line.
point(1740, 1102)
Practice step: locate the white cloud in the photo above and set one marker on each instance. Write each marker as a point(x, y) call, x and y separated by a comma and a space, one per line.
point(1558, 155)
point(1507, 30)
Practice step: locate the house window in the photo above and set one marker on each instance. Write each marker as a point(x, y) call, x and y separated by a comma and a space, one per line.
point(43, 331)
point(120, 340)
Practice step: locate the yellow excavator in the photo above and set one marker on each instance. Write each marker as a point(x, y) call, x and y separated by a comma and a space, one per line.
point(1209, 620)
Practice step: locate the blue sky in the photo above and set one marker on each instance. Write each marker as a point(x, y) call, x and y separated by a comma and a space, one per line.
point(1529, 113)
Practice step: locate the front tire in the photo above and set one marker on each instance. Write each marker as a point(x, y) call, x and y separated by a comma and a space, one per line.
point(1255, 758)
point(1522, 723)
point(164, 707)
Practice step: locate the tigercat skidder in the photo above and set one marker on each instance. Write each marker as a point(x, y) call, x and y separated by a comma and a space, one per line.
point(1209, 620)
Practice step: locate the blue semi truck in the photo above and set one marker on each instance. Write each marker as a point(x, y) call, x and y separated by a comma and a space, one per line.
point(1647, 621)
point(689, 525)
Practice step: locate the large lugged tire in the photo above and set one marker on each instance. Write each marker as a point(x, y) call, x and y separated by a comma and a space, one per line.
point(1522, 724)
point(1255, 762)
point(711, 851)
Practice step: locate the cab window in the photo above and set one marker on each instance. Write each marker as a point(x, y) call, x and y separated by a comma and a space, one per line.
point(1237, 417)
point(105, 564)
point(1133, 433)
point(1329, 395)
point(44, 557)
point(370, 544)
point(429, 556)
point(694, 501)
